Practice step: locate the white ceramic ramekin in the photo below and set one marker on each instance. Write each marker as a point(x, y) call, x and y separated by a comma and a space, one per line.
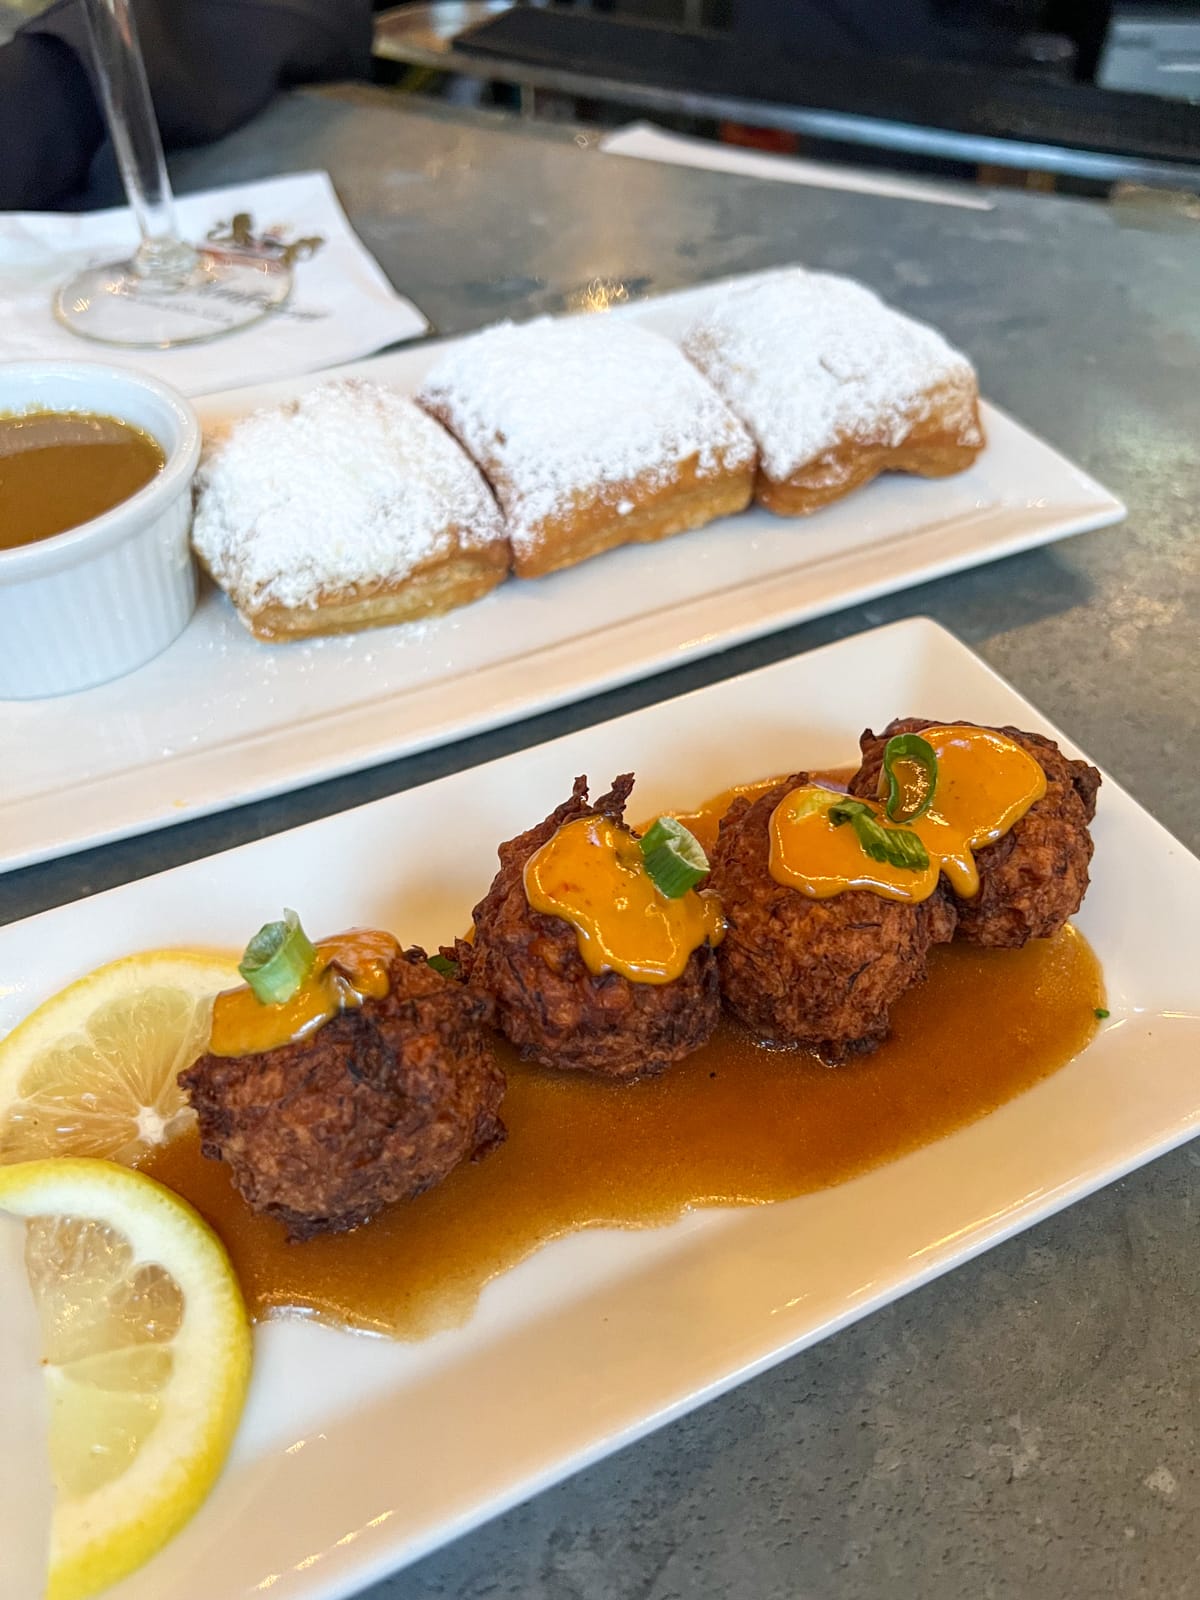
point(95, 602)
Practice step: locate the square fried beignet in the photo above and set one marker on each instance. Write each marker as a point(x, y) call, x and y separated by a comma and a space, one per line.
point(593, 432)
point(345, 509)
point(834, 386)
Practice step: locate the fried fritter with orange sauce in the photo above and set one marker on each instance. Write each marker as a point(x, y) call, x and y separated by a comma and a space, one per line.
point(548, 1004)
point(1035, 876)
point(817, 974)
point(379, 1104)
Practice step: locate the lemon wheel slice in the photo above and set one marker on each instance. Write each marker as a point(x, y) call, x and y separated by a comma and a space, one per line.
point(146, 1356)
point(92, 1072)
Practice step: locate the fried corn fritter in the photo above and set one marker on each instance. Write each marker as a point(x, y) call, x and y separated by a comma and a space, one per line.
point(821, 974)
point(1035, 876)
point(547, 1002)
point(377, 1105)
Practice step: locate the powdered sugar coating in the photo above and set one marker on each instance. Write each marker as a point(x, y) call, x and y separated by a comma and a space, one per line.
point(808, 359)
point(349, 486)
point(557, 412)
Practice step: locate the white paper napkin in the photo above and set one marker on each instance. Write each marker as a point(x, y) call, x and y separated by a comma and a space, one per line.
point(648, 143)
point(342, 307)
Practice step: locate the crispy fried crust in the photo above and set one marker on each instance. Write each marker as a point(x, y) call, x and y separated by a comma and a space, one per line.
point(441, 585)
point(1036, 876)
point(936, 445)
point(547, 1002)
point(675, 499)
point(652, 512)
point(822, 974)
point(377, 1106)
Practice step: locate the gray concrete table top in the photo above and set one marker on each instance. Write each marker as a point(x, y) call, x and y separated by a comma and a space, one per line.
point(1029, 1426)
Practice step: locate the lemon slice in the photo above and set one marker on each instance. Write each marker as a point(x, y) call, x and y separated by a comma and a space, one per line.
point(146, 1355)
point(92, 1072)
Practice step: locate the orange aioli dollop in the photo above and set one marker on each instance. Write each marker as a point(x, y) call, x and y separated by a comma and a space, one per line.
point(986, 783)
point(350, 968)
point(592, 874)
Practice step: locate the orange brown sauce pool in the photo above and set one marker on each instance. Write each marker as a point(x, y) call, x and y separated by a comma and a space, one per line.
point(733, 1124)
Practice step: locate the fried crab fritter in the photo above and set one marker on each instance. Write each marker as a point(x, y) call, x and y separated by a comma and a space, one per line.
point(378, 1105)
point(548, 1004)
point(1035, 876)
point(821, 974)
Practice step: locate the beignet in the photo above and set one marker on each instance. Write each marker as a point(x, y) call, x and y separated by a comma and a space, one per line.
point(343, 509)
point(834, 386)
point(592, 432)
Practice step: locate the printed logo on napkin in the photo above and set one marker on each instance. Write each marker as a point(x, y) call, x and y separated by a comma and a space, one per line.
point(273, 242)
point(341, 308)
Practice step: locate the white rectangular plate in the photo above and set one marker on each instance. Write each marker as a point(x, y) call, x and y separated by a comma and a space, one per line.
point(357, 1455)
point(220, 719)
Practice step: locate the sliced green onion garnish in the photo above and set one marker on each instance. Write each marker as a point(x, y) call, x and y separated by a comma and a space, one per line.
point(911, 770)
point(444, 966)
point(1102, 1014)
point(278, 959)
point(899, 847)
point(674, 858)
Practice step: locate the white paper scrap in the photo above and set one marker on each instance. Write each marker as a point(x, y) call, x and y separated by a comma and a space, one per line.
point(645, 142)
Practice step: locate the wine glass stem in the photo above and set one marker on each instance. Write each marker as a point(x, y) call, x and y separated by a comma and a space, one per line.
point(121, 73)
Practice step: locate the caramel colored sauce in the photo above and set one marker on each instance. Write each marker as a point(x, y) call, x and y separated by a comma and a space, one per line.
point(592, 874)
point(350, 968)
point(733, 1125)
point(61, 469)
point(706, 820)
point(985, 784)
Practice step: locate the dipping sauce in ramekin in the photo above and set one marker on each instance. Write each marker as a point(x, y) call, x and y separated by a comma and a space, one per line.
point(60, 469)
point(91, 600)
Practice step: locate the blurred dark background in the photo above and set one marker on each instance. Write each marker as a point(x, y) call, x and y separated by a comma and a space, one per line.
point(1131, 44)
point(1076, 94)
point(1080, 95)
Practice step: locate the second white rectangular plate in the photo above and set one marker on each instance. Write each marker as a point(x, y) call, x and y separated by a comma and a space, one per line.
point(357, 1455)
point(220, 719)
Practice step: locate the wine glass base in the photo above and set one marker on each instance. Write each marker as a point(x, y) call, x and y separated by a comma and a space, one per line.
point(116, 304)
